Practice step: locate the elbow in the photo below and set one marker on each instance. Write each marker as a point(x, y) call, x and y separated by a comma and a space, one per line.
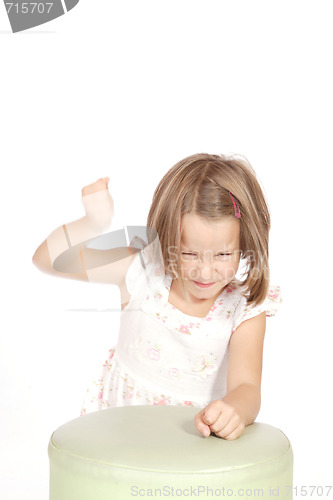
point(37, 263)
point(256, 404)
point(256, 395)
point(41, 260)
point(253, 412)
point(35, 259)
point(254, 401)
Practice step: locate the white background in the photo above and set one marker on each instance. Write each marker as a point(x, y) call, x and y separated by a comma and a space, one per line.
point(126, 89)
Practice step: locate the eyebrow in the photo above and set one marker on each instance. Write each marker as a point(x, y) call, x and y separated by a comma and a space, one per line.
point(229, 250)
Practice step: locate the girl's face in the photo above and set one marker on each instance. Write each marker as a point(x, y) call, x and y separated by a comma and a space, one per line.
point(209, 254)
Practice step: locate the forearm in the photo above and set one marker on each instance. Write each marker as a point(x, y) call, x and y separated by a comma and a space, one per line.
point(246, 400)
point(99, 212)
point(70, 234)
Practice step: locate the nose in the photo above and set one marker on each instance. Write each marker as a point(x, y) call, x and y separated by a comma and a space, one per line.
point(205, 271)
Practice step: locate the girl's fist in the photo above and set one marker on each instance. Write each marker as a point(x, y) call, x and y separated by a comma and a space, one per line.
point(220, 418)
point(99, 185)
point(98, 204)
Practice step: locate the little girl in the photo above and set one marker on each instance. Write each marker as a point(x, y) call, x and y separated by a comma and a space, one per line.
point(190, 332)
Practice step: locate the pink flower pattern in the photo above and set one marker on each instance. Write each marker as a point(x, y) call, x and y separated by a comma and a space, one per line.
point(154, 353)
point(187, 328)
point(273, 293)
point(161, 400)
point(205, 365)
point(174, 372)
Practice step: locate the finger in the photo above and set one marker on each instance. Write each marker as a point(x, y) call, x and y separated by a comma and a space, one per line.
point(100, 185)
point(223, 418)
point(233, 424)
point(205, 430)
point(93, 184)
point(235, 433)
point(222, 424)
point(212, 412)
point(200, 425)
point(227, 421)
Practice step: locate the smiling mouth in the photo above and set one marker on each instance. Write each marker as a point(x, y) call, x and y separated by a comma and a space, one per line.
point(204, 285)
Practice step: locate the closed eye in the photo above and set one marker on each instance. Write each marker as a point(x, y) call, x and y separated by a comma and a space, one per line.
point(218, 255)
point(189, 254)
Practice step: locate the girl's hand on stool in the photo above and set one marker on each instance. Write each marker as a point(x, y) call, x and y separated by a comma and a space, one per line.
point(220, 418)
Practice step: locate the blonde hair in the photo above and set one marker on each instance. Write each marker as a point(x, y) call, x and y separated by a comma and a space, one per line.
point(201, 184)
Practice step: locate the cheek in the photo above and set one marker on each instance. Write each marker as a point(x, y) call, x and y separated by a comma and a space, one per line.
point(225, 270)
point(228, 270)
point(188, 269)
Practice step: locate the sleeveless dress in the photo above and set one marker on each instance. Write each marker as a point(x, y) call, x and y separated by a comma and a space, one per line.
point(164, 356)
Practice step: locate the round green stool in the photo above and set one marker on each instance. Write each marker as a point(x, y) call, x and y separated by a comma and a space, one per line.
point(156, 451)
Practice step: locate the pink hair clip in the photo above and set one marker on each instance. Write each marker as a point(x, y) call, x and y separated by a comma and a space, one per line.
point(237, 213)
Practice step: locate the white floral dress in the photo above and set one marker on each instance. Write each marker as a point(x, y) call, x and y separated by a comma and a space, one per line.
point(164, 356)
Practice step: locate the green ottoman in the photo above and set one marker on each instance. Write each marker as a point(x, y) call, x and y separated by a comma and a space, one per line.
point(156, 451)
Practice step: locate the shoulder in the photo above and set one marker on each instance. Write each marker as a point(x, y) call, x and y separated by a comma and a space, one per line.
point(144, 272)
point(243, 311)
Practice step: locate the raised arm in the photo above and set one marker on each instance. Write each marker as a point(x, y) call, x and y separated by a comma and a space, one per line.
point(65, 252)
